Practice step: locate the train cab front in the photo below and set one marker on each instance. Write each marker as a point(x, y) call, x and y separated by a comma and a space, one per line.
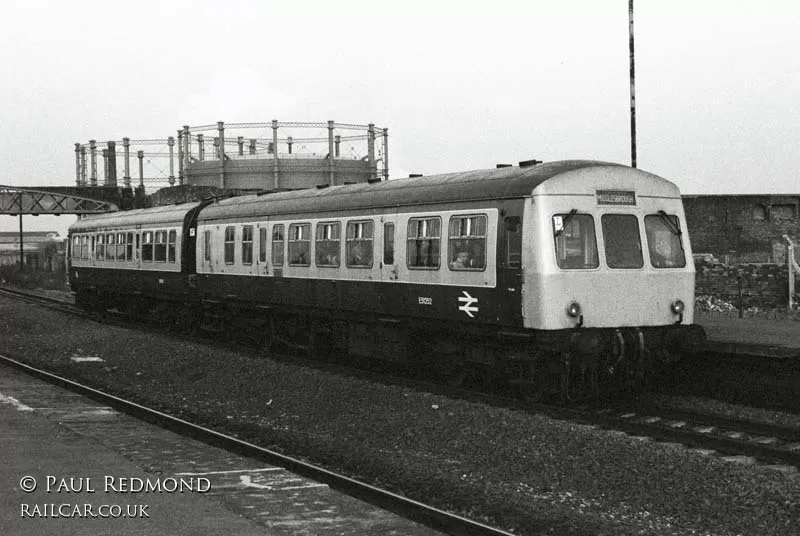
point(610, 271)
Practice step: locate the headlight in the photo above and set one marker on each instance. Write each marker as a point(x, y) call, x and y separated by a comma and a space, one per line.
point(678, 307)
point(574, 310)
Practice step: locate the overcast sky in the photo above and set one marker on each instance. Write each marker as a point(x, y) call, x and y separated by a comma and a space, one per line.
point(460, 85)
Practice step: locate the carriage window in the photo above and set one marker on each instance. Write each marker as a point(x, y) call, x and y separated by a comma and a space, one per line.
point(247, 244)
point(424, 242)
point(147, 246)
point(110, 251)
point(576, 244)
point(84, 247)
point(120, 246)
point(160, 252)
point(388, 243)
point(622, 241)
point(207, 245)
point(359, 244)
point(230, 244)
point(172, 245)
point(299, 244)
point(76, 247)
point(277, 245)
point(327, 246)
point(262, 244)
point(467, 247)
point(129, 247)
point(664, 241)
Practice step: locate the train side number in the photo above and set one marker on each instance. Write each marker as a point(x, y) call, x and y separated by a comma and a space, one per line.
point(424, 300)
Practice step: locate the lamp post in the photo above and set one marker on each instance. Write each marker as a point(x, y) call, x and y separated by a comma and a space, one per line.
point(633, 87)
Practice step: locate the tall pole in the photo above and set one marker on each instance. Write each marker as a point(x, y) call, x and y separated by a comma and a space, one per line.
point(633, 85)
point(21, 247)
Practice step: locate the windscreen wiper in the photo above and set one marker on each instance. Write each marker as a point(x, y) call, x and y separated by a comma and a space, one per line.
point(671, 225)
point(565, 221)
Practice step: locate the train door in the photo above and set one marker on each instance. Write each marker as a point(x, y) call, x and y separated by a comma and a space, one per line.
point(386, 257)
point(263, 258)
point(386, 248)
point(509, 269)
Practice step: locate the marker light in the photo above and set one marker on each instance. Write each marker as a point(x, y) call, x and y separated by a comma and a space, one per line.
point(677, 307)
point(574, 310)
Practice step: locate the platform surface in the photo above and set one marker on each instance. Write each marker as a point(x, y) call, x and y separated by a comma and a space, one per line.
point(72, 446)
point(755, 336)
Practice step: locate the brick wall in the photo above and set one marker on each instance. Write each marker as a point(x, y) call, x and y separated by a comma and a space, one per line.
point(742, 228)
point(760, 285)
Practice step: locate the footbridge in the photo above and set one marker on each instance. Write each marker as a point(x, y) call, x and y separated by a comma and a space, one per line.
point(39, 200)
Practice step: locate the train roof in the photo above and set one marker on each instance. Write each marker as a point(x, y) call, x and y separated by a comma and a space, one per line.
point(502, 183)
point(164, 215)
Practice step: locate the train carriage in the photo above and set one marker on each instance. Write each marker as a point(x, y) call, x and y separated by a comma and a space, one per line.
point(568, 276)
point(137, 259)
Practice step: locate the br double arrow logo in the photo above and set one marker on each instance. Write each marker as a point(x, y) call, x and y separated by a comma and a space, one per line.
point(467, 302)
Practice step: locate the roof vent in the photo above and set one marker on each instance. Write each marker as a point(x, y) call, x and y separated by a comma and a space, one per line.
point(503, 165)
point(321, 186)
point(374, 181)
point(414, 175)
point(528, 163)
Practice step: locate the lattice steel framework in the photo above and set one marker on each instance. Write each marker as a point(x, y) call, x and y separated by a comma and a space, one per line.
point(17, 201)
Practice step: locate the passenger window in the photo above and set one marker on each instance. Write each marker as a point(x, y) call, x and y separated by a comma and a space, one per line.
point(147, 246)
point(664, 241)
point(299, 244)
point(359, 244)
point(207, 245)
point(76, 247)
point(327, 246)
point(247, 244)
point(129, 247)
point(84, 247)
point(230, 244)
point(277, 245)
point(120, 246)
point(575, 241)
point(171, 246)
point(160, 254)
point(110, 251)
point(94, 246)
point(622, 241)
point(467, 246)
point(262, 244)
point(424, 243)
point(388, 243)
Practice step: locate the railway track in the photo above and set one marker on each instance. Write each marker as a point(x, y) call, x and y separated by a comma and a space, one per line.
point(741, 440)
point(430, 516)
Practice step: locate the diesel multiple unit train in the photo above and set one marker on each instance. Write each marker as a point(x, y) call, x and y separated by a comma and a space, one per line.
point(574, 277)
